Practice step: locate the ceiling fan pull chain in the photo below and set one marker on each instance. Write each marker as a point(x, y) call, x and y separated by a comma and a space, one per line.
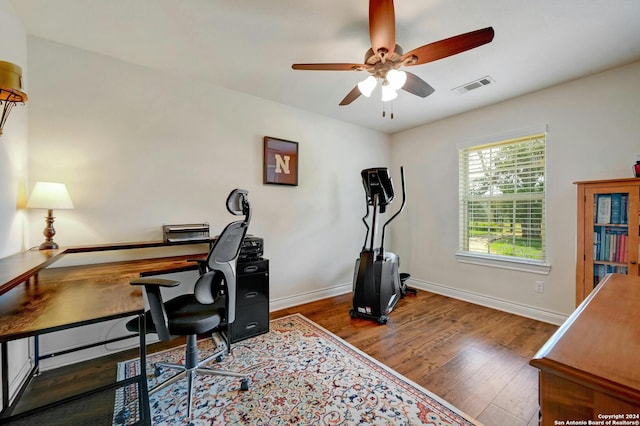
point(384, 112)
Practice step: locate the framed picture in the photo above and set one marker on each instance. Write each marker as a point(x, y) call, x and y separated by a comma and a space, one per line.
point(280, 162)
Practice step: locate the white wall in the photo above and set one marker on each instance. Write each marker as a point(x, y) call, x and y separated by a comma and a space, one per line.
point(13, 174)
point(138, 148)
point(593, 133)
point(13, 142)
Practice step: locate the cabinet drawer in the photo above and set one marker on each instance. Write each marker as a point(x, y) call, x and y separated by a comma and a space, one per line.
point(250, 322)
point(251, 293)
point(253, 284)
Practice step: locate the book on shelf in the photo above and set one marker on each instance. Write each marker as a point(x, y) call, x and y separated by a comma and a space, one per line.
point(603, 205)
point(610, 244)
point(616, 203)
point(611, 208)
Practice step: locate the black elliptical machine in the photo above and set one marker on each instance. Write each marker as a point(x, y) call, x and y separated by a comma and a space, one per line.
point(377, 286)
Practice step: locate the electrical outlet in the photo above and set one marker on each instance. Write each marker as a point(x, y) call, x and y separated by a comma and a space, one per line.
point(539, 286)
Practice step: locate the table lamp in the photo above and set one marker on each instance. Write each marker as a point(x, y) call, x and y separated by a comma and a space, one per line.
point(49, 195)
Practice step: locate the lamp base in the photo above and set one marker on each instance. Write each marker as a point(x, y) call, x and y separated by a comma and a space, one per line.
point(49, 232)
point(49, 245)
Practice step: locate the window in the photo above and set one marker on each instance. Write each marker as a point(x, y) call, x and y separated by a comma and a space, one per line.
point(502, 200)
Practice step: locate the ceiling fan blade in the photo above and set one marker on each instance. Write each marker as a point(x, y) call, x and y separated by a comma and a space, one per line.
point(328, 67)
point(352, 96)
point(382, 26)
point(417, 86)
point(450, 46)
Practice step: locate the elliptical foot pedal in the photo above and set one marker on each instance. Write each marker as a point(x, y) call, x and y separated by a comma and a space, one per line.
point(404, 289)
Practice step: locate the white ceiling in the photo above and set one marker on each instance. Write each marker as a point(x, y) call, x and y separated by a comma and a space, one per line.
point(249, 46)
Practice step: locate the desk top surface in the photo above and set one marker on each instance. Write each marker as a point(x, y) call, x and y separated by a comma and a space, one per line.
point(40, 307)
point(598, 345)
point(78, 295)
point(16, 268)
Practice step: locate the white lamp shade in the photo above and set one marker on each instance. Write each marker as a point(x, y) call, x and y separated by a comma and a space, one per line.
point(51, 196)
point(396, 79)
point(367, 85)
point(388, 93)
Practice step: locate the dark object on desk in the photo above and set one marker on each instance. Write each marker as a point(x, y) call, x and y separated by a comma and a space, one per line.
point(212, 306)
point(252, 249)
point(185, 232)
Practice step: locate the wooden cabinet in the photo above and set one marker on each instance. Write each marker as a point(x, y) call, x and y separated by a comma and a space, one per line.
point(589, 368)
point(608, 236)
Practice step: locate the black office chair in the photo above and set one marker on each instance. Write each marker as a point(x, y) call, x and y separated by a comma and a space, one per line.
point(210, 309)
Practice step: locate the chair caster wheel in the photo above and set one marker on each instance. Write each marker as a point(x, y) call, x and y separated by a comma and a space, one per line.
point(244, 385)
point(383, 320)
point(220, 358)
point(158, 371)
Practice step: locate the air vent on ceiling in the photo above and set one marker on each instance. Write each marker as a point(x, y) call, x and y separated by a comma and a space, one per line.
point(481, 82)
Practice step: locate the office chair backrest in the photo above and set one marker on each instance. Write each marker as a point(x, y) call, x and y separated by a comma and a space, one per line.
point(223, 256)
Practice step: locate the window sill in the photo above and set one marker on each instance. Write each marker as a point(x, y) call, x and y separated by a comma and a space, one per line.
point(500, 262)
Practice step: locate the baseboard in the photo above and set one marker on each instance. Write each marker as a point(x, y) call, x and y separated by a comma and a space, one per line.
point(490, 302)
point(467, 296)
point(311, 296)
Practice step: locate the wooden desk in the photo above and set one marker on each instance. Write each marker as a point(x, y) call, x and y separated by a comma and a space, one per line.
point(35, 300)
point(590, 368)
point(35, 308)
point(45, 306)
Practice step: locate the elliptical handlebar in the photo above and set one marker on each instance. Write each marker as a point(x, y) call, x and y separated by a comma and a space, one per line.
point(364, 220)
point(404, 201)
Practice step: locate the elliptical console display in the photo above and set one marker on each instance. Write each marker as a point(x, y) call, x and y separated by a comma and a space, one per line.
point(376, 283)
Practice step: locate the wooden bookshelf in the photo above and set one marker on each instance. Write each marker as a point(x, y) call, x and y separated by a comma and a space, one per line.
point(608, 231)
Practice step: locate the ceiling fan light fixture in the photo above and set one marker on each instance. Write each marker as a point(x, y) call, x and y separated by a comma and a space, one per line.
point(396, 78)
point(388, 92)
point(367, 85)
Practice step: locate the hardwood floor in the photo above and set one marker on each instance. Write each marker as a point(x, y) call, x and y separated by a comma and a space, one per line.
point(475, 358)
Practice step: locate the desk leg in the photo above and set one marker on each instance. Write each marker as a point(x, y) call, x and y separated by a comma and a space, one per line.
point(143, 389)
point(5, 376)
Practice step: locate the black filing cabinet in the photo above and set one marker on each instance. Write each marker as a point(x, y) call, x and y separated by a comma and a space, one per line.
point(252, 300)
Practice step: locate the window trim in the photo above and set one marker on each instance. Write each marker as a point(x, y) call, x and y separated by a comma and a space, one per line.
point(497, 261)
point(503, 262)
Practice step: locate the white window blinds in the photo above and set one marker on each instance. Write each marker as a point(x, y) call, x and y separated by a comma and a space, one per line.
point(502, 199)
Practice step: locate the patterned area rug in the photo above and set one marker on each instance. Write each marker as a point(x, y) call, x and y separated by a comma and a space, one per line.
point(301, 374)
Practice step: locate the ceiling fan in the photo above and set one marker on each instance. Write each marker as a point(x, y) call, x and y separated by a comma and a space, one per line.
point(385, 57)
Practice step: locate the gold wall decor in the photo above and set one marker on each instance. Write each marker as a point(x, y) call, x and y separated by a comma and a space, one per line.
point(11, 91)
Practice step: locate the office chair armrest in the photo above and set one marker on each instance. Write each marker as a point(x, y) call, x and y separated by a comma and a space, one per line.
point(152, 287)
point(202, 264)
point(160, 282)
